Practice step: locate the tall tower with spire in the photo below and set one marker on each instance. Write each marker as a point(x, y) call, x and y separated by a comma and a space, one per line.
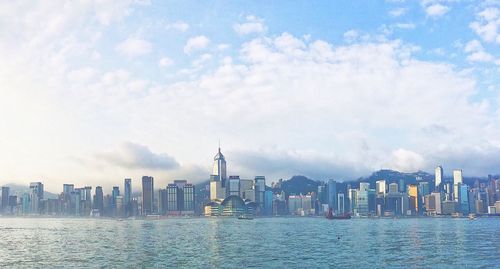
point(218, 177)
point(220, 167)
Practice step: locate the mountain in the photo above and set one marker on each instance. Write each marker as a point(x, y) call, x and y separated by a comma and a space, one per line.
point(19, 190)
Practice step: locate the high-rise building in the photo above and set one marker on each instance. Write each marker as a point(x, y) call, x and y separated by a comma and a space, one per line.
point(381, 187)
point(438, 177)
point(147, 195)
point(393, 188)
point(68, 188)
point(5, 198)
point(218, 178)
point(36, 196)
point(463, 200)
point(173, 195)
point(433, 203)
point(188, 199)
point(114, 193)
point(99, 200)
point(362, 200)
point(127, 195)
point(260, 189)
point(219, 168)
point(413, 198)
point(233, 187)
point(457, 180)
point(162, 201)
point(340, 203)
point(332, 194)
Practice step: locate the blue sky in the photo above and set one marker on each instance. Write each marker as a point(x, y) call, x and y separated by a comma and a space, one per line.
point(96, 91)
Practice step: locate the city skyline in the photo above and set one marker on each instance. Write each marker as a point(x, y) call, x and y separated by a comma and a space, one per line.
point(98, 91)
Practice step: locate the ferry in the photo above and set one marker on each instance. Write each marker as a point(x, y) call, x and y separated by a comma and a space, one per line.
point(331, 216)
point(246, 217)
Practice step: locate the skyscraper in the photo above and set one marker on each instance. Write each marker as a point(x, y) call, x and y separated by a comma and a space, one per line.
point(147, 195)
point(381, 187)
point(5, 198)
point(464, 199)
point(36, 195)
point(260, 189)
point(332, 194)
point(457, 181)
point(438, 177)
point(219, 169)
point(127, 194)
point(413, 196)
point(99, 200)
point(233, 187)
point(218, 178)
point(115, 193)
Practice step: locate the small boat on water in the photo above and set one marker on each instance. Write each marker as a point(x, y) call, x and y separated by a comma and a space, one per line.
point(472, 216)
point(246, 217)
point(330, 215)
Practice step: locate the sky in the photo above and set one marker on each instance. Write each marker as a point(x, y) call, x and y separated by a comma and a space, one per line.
point(92, 92)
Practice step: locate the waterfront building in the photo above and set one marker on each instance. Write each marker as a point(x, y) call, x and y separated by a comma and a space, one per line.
point(68, 188)
point(99, 200)
point(413, 198)
point(362, 200)
point(5, 199)
point(268, 203)
point(173, 199)
point(162, 202)
point(396, 203)
point(260, 189)
point(114, 193)
point(463, 196)
point(438, 177)
point(457, 180)
point(300, 205)
point(26, 203)
point(147, 195)
point(13, 204)
point(341, 203)
point(127, 195)
point(402, 185)
point(233, 187)
point(36, 196)
point(332, 194)
point(381, 187)
point(218, 178)
point(233, 206)
point(352, 195)
point(119, 210)
point(449, 207)
point(393, 188)
point(188, 199)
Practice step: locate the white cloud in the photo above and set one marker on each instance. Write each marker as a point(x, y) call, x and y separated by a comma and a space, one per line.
point(351, 35)
point(487, 25)
point(165, 62)
point(196, 43)
point(179, 26)
point(436, 10)
point(397, 12)
point(252, 25)
point(133, 47)
point(477, 53)
point(135, 156)
point(406, 161)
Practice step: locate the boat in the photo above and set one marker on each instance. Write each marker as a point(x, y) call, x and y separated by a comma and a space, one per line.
point(331, 216)
point(472, 216)
point(246, 217)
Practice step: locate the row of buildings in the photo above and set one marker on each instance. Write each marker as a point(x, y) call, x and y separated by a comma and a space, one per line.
point(398, 198)
point(233, 196)
point(175, 199)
